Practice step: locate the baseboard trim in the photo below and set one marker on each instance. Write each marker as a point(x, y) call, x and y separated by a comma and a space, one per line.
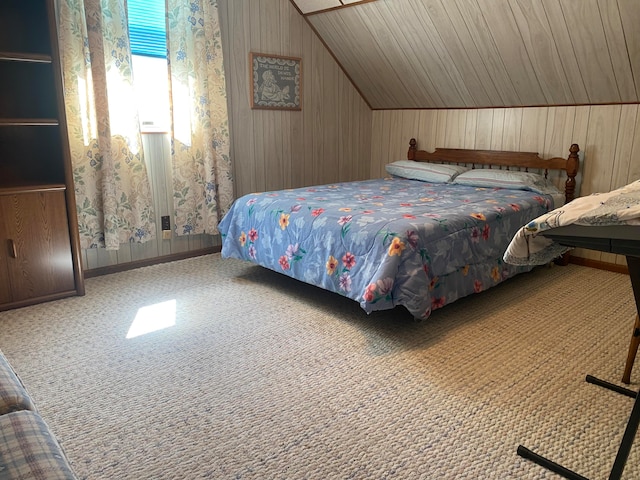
point(123, 267)
point(587, 262)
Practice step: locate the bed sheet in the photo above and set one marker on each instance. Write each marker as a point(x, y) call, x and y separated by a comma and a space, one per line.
point(384, 242)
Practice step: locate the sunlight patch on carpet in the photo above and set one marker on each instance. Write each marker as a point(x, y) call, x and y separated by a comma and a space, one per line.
point(153, 318)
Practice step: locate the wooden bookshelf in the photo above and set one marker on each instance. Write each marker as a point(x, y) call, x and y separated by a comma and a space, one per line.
point(39, 246)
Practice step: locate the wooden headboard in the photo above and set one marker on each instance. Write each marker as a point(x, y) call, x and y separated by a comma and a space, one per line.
point(500, 158)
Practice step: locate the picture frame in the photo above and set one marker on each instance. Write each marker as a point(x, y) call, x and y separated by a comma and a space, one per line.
point(276, 81)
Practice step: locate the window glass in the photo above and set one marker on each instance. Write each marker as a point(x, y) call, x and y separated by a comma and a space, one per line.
point(147, 33)
point(152, 92)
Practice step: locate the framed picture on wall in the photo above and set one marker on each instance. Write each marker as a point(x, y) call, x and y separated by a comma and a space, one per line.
point(276, 81)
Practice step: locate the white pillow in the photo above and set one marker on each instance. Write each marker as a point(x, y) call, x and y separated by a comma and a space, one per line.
point(493, 178)
point(425, 171)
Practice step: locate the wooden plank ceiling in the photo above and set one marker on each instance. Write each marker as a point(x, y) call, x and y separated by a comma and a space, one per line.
point(483, 53)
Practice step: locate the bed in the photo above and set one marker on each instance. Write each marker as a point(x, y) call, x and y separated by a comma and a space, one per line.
point(431, 232)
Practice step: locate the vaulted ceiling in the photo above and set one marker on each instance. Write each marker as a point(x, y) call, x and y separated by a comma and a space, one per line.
point(483, 53)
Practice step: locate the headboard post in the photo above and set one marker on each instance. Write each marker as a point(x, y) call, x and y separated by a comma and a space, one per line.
point(411, 155)
point(572, 170)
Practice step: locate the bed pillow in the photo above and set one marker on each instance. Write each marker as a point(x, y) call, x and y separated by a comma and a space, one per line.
point(425, 171)
point(486, 177)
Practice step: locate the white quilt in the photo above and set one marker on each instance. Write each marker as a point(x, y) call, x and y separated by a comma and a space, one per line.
point(617, 207)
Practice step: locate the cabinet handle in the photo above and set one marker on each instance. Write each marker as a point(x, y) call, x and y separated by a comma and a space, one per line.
point(14, 250)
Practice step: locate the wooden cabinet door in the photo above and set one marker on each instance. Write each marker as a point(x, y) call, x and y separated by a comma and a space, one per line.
point(35, 240)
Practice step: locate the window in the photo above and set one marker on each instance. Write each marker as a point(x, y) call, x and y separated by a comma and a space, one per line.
point(147, 33)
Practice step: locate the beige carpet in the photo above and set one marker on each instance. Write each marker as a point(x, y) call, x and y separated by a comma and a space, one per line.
point(263, 377)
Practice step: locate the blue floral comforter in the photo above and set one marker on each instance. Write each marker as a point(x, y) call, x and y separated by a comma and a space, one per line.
point(384, 242)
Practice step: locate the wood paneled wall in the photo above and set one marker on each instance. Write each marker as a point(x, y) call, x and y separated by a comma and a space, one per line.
point(329, 140)
point(608, 135)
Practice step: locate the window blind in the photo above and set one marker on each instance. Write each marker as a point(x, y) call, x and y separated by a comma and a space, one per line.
point(147, 28)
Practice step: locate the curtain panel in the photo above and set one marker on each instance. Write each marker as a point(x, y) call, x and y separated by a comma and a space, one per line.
point(202, 175)
point(112, 188)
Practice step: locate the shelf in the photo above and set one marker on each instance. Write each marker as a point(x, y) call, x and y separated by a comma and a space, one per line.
point(27, 90)
point(31, 188)
point(24, 27)
point(31, 155)
point(25, 57)
point(28, 122)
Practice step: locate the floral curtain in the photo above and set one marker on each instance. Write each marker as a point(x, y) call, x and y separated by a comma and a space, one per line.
point(203, 185)
point(112, 189)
